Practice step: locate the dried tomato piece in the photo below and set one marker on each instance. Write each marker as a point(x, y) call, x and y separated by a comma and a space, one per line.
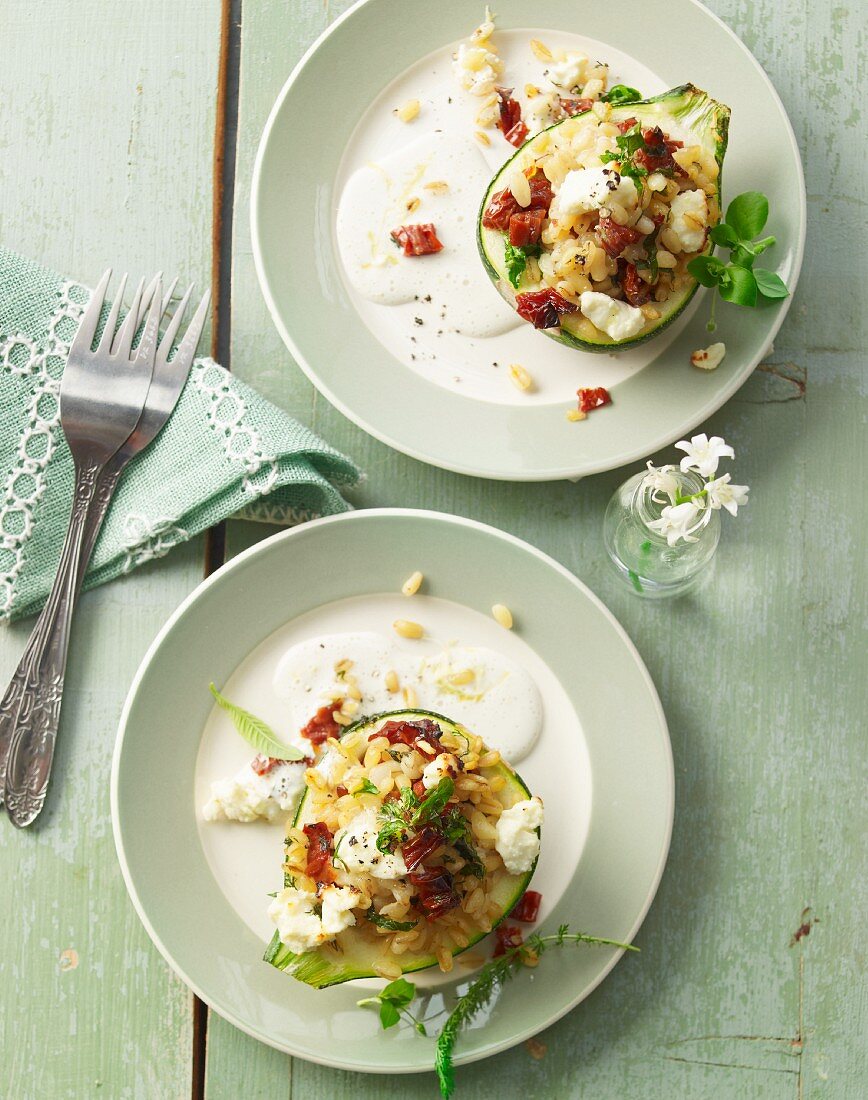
point(409, 733)
point(341, 790)
point(626, 124)
point(507, 937)
point(593, 398)
point(419, 789)
point(636, 290)
point(422, 845)
point(615, 238)
point(323, 726)
point(436, 891)
point(262, 765)
point(543, 308)
point(527, 909)
point(525, 227)
point(657, 154)
point(417, 240)
point(319, 850)
point(501, 208)
point(510, 109)
point(541, 193)
point(517, 135)
point(569, 108)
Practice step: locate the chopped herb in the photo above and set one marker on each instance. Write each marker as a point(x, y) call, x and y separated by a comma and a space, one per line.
point(620, 94)
point(435, 802)
point(395, 818)
point(366, 787)
point(384, 922)
point(516, 259)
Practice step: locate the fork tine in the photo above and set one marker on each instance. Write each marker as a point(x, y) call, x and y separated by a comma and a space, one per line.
point(187, 346)
point(144, 306)
point(108, 333)
point(131, 323)
point(169, 335)
point(90, 320)
point(147, 345)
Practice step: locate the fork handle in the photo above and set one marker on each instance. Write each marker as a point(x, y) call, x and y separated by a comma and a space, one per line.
point(30, 710)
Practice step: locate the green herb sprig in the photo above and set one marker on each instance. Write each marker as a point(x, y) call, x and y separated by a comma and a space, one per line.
point(392, 1003)
point(256, 732)
point(515, 259)
point(621, 94)
point(739, 281)
point(380, 921)
point(366, 787)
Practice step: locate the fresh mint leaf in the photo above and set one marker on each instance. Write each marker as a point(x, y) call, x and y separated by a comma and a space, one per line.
point(769, 284)
point(473, 865)
point(435, 801)
point(620, 94)
point(707, 270)
point(366, 787)
point(740, 287)
point(256, 732)
point(384, 922)
point(747, 214)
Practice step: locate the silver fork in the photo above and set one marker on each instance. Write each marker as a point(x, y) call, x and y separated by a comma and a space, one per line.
point(113, 402)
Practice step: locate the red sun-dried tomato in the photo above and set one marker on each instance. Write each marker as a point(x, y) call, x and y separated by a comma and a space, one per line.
point(657, 154)
point(409, 733)
point(341, 790)
point(319, 850)
point(510, 109)
point(422, 845)
point(419, 789)
point(569, 108)
point(593, 398)
point(262, 765)
point(417, 240)
point(626, 124)
point(541, 193)
point(525, 227)
point(527, 908)
point(323, 726)
point(436, 890)
point(636, 290)
point(615, 238)
point(503, 205)
point(543, 308)
point(507, 936)
point(517, 135)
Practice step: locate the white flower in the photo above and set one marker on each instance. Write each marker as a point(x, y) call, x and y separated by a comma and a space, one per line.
point(703, 454)
point(660, 479)
point(679, 521)
point(721, 494)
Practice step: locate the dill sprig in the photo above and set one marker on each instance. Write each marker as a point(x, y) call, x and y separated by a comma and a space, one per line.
point(493, 975)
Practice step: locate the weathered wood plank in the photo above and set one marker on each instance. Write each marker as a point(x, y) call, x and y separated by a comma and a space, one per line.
point(106, 132)
point(759, 673)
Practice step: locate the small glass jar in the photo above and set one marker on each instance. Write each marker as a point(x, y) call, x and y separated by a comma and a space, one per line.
point(643, 558)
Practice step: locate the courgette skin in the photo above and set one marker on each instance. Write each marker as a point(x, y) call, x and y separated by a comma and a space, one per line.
point(332, 964)
point(689, 106)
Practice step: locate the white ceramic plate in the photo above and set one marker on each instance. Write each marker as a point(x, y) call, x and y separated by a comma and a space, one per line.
point(602, 765)
point(438, 407)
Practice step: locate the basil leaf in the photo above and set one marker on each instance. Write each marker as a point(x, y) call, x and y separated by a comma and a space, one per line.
point(620, 94)
point(389, 1015)
point(366, 787)
point(747, 214)
point(384, 922)
point(435, 801)
point(740, 288)
point(256, 732)
point(707, 270)
point(724, 235)
point(769, 284)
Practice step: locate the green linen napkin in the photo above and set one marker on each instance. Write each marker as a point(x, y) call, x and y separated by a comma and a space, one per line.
point(225, 451)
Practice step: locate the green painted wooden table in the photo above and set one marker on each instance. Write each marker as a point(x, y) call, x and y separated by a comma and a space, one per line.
point(752, 978)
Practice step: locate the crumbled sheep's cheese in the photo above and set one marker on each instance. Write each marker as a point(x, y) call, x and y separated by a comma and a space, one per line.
point(247, 796)
point(442, 766)
point(517, 839)
point(327, 765)
point(337, 901)
point(688, 218)
point(617, 319)
point(476, 64)
point(568, 71)
point(298, 925)
point(586, 189)
point(356, 845)
point(709, 358)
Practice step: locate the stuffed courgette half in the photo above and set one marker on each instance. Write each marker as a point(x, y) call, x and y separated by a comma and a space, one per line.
point(588, 229)
point(411, 842)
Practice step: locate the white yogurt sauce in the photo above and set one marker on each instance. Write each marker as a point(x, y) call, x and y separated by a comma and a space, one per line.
point(495, 697)
point(439, 314)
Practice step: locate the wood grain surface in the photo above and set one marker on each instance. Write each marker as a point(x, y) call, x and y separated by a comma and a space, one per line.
point(751, 981)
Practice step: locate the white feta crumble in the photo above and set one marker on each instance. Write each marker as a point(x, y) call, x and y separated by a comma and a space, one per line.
point(617, 319)
point(688, 218)
point(586, 189)
point(568, 71)
point(708, 358)
point(327, 765)
point(356, 845)
point(298, 925)
point(477, 69)
point(248, 796)
point(337, 901)
point(517, 839)
point(442, 766)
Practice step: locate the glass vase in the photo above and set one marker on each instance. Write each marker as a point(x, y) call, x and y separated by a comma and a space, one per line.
point(642, 557)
